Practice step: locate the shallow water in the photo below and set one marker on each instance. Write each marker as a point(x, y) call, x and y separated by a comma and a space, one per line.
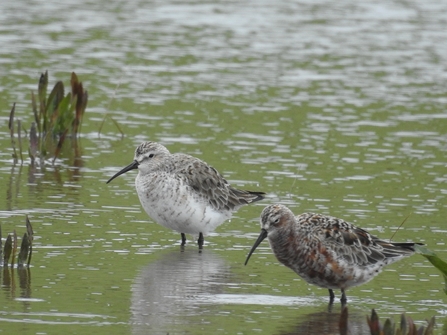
point(333, 107)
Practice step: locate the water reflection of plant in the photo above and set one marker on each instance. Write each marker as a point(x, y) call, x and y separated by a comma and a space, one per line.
point(56, 117)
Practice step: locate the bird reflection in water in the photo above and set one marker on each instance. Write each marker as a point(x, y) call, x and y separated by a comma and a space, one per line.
point(182, 291)
point(174, 287)
point(328, 323)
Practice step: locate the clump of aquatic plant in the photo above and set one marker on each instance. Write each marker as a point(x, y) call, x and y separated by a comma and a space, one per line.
point(10, 249)
point(56, 117)
point(406, 326)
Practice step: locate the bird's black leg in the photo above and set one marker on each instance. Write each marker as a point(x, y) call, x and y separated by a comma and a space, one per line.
point(331, 297)
point(200, 241)
point(183, 239)
point(343, 297)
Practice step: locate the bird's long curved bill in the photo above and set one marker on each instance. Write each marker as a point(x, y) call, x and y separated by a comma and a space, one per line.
point(131, 166)
point(261, 238)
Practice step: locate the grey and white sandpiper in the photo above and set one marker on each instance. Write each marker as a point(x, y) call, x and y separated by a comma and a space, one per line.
point(182, 192)
point(326, 251)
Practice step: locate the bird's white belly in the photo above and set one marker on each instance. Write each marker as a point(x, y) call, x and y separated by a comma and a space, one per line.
point(172, 204)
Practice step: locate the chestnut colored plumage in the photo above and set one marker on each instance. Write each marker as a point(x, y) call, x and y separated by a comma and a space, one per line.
point(326, 251)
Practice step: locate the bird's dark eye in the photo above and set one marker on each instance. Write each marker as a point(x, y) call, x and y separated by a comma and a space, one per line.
point(151, 155)
point(276, 221)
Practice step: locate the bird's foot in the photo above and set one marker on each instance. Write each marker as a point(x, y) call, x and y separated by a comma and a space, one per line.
point(200, 241)
point(331, 297)
point(343, 299)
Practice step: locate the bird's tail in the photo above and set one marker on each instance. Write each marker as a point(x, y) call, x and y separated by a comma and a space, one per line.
point(397, 249)
point(248, 196)
point(406, 245)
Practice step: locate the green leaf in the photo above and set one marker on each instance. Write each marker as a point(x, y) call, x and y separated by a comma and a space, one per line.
point(11, 131)
point(64, 116)
point(373, 323)
point(42, 87)
point(59, 145)
point(80, 98)
point(430, 327)
point(34, 106)
point(73, 81)
point(388, 327)
point(56, 96)
point(42, 93)
point(30, 232)
point(11, 119)
point(24, 250)
point(66, 112)
point(435, 260)
point(403, 324)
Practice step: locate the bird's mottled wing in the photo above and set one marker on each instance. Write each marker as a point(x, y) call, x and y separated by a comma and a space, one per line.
point(205, 181)
point(209, 184)
point(353, 244)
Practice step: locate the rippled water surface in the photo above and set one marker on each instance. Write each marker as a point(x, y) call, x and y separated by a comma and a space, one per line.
point(337, 107)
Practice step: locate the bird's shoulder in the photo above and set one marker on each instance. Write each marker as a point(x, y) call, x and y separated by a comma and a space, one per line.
point(197, 173)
